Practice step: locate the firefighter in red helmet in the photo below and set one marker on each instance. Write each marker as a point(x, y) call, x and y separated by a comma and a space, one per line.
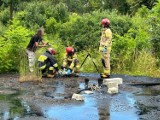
point(48, 64)
point(70, 61)
point(105, 47)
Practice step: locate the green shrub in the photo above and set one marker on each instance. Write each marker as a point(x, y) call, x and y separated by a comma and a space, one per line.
point(5, 16)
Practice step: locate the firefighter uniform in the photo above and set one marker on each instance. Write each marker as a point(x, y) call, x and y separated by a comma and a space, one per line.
point(71, 62)
point(48, 64)
point(105, 49)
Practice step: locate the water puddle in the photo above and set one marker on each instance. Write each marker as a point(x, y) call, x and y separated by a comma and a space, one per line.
point(95, 106)
point(10, 106)
point(59, 90)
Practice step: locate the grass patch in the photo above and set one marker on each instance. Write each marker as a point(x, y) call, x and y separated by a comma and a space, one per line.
point(25, 74)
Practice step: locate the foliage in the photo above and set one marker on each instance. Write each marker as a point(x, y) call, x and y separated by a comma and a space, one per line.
point(36, 14)
point(154, 20)
point(4, 16)
point(15, 38)
point(80, 33)
point(145, 65)
point(51, 25)
point(78, 24)
point(136, 4)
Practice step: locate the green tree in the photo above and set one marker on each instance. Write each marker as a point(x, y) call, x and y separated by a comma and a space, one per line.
point(136, 4)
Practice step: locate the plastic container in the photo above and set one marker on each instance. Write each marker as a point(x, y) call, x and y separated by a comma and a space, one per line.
point(112, 90)
point(77, 97)
point(117, 80)
point(112, 84)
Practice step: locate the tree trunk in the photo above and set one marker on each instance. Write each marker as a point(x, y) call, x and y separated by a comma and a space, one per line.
point(11, 9)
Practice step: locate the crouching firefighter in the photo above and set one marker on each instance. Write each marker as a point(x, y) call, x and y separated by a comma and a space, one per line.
point(48, 64)
point(105, 47)
point(70, 62)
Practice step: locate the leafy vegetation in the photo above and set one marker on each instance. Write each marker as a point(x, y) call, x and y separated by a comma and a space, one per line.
point(134, 23)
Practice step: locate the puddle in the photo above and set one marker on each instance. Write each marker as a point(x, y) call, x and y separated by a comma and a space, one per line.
point(77, 111)
point(11, 107)
point(95, 106)
point(59, 90)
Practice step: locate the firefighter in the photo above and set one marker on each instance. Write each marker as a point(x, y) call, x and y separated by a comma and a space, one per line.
point(105, 47)
point(32, 46)
point(48, 64)
point(70, 62)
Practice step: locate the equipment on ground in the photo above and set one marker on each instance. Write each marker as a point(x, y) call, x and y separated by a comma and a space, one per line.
point(89, 55)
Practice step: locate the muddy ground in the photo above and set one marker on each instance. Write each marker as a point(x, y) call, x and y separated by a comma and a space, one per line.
point(51, 99)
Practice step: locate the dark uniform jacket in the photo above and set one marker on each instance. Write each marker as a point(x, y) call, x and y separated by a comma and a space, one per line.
point(46, 60)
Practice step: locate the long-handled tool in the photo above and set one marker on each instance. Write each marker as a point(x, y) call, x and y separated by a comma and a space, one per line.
point(89, 55)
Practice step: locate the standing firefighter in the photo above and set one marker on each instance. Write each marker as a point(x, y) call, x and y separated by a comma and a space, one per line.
point(70, 62)
point(32, 46)
point(48, 64)
point(105, 47)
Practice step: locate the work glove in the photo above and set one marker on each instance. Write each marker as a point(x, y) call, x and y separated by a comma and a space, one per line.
point(104, 50)
point(68, 72)
point(64, 71)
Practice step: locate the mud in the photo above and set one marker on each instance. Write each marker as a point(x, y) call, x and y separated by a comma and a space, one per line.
point(51, 99)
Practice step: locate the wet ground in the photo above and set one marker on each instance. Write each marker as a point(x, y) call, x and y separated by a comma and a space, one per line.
point(51, 99)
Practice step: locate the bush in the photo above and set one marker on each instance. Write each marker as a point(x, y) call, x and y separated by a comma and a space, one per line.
point(16, 39)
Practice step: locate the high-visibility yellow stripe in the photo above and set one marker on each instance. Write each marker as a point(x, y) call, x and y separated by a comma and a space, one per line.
point(50, 68)
point(42, 58)
point(55, 65)
point(106, 71)
point(43, 67)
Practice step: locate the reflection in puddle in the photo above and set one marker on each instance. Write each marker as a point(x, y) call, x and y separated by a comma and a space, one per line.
point(60, 87)
point(96, 106)
point(11, 107)
point(86, 110)
point(123, 107)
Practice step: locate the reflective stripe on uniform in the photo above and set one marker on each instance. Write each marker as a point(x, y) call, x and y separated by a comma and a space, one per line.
point(55, 65)
point(51, 68)
point(42, 58)
point(106, 72)
point(43, 67)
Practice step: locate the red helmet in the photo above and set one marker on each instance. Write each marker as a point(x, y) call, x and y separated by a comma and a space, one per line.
point(69, 50)
point(105, 22)
point(52, 51)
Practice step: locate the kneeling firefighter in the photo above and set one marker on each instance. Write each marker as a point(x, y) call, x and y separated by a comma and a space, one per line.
point(70, 62)
point(105, 47)
point(48, 64)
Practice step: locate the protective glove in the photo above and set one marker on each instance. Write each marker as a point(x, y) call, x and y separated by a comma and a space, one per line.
point(64, 71)
point(104, 50)
point(68, 72)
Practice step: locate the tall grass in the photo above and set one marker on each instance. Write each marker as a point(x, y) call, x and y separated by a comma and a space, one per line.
point(24, 73)
point(145, 64)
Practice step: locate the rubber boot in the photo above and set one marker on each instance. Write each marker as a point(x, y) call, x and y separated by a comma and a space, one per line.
point(104, 75)
point(100, 81)
point(86, 82)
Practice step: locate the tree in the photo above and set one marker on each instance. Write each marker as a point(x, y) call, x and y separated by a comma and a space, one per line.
point(136, 4)
point(12, 4)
